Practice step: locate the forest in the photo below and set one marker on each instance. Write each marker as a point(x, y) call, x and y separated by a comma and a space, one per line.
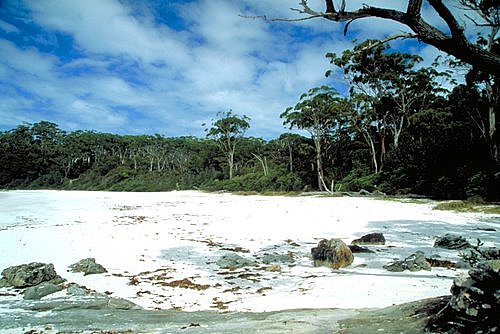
point(401, 129)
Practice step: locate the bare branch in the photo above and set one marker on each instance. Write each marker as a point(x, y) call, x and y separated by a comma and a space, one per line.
point(456, 45)
point(480, 24)
point(404, 35)
point(456, 29)
point(279, 19)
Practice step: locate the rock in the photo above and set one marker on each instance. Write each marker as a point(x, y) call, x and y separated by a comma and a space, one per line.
point(450, 241)
point(234, 261)
point(474, 304)
point(358, 249)
point(333, 253)
point(278, 258)
point(4, 283)
point(74, 289)
point(88, 267)
point(370, 239)
point(41, 290)
point(414, 262)
point(31, 274)
point(441, 263)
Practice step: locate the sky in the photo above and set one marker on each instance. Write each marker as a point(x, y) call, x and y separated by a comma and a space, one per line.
point(168, 66)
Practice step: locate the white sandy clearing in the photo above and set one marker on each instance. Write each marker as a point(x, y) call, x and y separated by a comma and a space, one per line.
point(154, 239)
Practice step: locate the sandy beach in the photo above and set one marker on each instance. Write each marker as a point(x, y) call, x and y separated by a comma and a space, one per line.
point(161, 249)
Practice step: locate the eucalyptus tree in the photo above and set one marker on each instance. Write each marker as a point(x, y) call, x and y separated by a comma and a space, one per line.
point(387, 89)
point(488, 17)
point(320, 112)
point(227, 130)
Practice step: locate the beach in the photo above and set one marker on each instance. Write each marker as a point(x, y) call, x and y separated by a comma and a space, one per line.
point(161, 249)
point(159, 238)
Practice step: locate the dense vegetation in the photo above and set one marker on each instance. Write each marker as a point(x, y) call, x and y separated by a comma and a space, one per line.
point(397, 131)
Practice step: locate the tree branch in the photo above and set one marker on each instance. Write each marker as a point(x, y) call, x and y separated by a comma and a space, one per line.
point(456, 44)
point(456, 29)
point(414, 7)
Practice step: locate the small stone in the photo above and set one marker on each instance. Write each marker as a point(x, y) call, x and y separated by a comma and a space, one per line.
point(450, 241)
point(370, 239)
point(88, 267)
point(414, 262)
point(359, 249)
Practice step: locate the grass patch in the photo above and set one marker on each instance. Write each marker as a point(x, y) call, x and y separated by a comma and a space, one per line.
point(466, 206)
point(404, 200)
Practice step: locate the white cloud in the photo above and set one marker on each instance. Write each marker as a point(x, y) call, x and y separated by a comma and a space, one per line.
point(108, 27)
point(7, 27)
point(134, 74)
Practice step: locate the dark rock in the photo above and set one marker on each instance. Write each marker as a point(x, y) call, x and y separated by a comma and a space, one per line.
point(333, 253)
point(31, 274)
point(414, 262)
point(358, 249)
point(41, 290)
point(234, 261)
point(450, 241)
point(474, 304)
point(370, 239)
point(88, 267)
point(441, 263)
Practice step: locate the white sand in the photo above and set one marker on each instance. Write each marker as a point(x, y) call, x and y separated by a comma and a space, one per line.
point(162, 237)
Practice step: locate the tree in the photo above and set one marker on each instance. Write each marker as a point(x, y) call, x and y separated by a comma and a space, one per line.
point(319, 113)
point(454, 43)
point(490, 17)
point(386, 89)
point(227, 130)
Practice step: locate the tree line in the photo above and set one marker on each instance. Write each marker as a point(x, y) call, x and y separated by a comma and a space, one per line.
point(397, 130)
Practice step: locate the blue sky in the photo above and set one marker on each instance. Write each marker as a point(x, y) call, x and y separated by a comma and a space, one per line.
point(167, 67)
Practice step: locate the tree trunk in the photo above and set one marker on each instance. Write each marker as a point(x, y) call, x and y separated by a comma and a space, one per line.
point(373, 151)
point(230, 162)
point(319, 164)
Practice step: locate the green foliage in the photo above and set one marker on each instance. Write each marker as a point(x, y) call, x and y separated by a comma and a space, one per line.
point(227, 131)
point(355, 182)
point(397, 131)
point(256, 182)
point(468, 206)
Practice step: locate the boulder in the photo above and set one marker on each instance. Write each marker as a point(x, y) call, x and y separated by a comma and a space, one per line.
point(234, 261)
point(88, 267)
point(370, 239)
point(414, 262)
point(450, 241)
point(333, 253)
point(474, 304)
point(31, 274)
point(41, 290)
